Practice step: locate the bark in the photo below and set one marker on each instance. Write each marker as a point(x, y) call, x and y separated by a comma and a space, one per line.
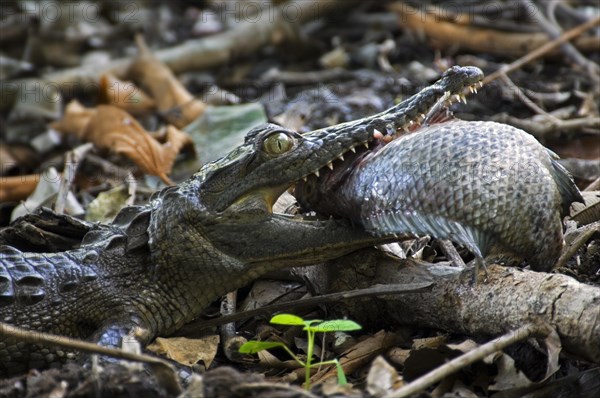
point(507, 299)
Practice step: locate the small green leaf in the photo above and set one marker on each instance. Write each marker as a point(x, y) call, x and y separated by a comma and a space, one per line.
point(340, 374)
point(287, 319)
point(336, 325)
point(308, 324)
point(252, 347)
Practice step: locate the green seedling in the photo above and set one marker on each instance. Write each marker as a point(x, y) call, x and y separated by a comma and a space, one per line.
point(312, 327)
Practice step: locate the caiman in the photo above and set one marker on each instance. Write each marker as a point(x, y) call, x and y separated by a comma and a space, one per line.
point(156, 267)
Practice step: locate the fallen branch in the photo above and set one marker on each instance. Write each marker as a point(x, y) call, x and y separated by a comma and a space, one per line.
point(542, 50)
point(448, 34)
point(164, 371)
point(508, 298)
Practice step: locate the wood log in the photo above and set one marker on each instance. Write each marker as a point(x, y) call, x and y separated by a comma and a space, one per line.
point(504, 300)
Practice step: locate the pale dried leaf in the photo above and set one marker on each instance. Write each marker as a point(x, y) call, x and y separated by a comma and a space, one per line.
point(588, 212)
point(508, 375)
point(382, 378)
point(187, 351)
point(106, 205)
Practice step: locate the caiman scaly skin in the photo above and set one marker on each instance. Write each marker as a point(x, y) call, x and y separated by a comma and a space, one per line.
point(488, 186)
point(156, 267)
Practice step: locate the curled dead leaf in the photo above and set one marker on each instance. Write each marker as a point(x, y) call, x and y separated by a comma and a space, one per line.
point(16, 188)
point(125, 95)
point(75, 119)
point(178, 105)
point(112, 128)
point(187, 351)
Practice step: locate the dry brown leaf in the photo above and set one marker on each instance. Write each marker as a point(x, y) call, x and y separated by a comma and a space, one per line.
point(359, 355)
point(14, 189)
point(124, 95)
point(187, 351)
point(112, 128)
point(115, 129)
point(179, 106)
point(75, 119)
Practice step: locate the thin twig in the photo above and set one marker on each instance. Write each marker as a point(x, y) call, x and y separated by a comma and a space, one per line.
point(516, 90)
point(37, 337)
point(469, 358)
point(594, 185)
point(72, 161)
point(379, 290)
point(568, 49)
point(537, 53)
point(450, 252)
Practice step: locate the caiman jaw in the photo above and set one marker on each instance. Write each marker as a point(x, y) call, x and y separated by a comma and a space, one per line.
point(272, 158)
point(437, 113)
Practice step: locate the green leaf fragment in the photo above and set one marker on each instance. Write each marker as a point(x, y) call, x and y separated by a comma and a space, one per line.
point(252, 347)
point(287, 319)
point(336, 325)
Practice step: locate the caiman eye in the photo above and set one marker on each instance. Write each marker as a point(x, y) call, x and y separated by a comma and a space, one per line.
point(277, 143)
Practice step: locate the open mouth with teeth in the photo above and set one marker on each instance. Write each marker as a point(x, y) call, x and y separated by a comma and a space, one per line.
point(314, 187)
point(273, 159)
point(438, 113)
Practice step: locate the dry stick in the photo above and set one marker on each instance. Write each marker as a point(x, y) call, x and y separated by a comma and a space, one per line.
point(537, 53)
point(71, 164)
point(594, 186)
point(380, 290)
point(161, 367)
point(469, 358)
point(451, 254)
point(516, 90)
point(553, 31)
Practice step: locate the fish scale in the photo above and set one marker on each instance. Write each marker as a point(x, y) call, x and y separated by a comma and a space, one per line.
point(488, 186)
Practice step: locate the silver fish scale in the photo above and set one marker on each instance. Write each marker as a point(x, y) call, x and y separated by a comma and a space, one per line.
point(488, 186)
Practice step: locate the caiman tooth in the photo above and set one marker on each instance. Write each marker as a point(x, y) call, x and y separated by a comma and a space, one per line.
point(305, 178)
point(480, 84)
point(390, 130)
point(330, 165)
point(366, 144)
point(457, 97)
point(474, 89)
point(352, 149)
point(471, 89)
point(463, 98)
point(341, 157)
point(316, 172)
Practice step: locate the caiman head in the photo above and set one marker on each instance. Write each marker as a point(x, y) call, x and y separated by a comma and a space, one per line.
point(273, 158)
point(222, 219)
